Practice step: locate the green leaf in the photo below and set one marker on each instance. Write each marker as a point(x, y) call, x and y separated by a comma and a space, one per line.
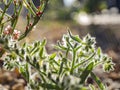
point(97, 80)
point(99, 51)
point(76, 38)
point(23, 51)
point(52, 56)
point(42, 7)
point(35, 44)
point(25, 3)
point(44, 42)
point(24, 45)
point(61, 67)
point(91, 87)
point(22, 71)
point(61, 47)
point(86, 72)
point(13, 55)
point(83, 88)
point(35, 51)
point(82, 62)
point(41, 52)
point(27, 72)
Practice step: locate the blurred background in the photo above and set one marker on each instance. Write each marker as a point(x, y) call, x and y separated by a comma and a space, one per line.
point(100, 18)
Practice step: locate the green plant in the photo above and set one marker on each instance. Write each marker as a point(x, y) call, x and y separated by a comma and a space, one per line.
point(33, 16)
point(66, 69)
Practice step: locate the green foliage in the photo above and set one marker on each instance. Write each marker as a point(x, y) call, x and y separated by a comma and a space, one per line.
point(33, 13)
point(92, 6)
point(66, 69)
point(97, 80)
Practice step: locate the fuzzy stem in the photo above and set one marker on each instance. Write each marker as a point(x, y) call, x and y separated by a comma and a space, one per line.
point(73, 61)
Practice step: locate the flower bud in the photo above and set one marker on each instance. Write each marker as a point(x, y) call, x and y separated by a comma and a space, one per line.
point(16, 34)
point(8, 30)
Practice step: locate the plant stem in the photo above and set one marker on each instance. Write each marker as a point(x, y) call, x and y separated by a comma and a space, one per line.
point(29, 8)
point(1, 11)
point(73, 61)
point(2, 16)
point(33, 6)
point(36, 19)
point(82, 62)
point(17, 16)
point(4, 13)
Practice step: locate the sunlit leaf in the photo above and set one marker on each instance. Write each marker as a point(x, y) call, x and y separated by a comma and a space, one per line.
point(97, 80)
point(86, 72)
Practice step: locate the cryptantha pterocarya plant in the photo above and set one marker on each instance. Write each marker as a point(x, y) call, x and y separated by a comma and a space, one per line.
point(66, 69)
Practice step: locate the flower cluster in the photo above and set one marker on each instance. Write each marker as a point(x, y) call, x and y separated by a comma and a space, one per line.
point(15, 33)
point(8, 30)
